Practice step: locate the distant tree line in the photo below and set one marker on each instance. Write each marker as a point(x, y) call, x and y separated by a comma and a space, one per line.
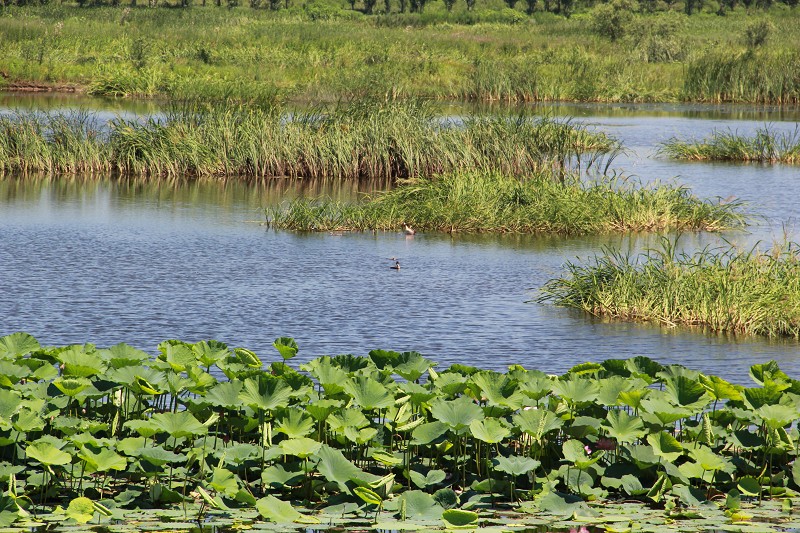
point(562, 7)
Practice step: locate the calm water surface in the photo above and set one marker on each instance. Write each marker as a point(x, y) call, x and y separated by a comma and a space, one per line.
point(108, 262)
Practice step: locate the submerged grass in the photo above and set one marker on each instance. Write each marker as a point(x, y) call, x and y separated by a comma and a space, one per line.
point(729, 290)
point(493, 201)
point(368, 139)
point(766, 146)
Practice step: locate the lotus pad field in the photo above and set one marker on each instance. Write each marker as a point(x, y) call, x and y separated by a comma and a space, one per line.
point(206, 434)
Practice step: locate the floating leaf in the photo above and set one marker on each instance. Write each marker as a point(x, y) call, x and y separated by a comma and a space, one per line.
point(81, 510)
point(459, 518)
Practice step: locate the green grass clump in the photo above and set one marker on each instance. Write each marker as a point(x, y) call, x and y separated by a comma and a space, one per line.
point(766, 146)
point(367, 139)
point(490, 201)
point(204, 432)
point(728, 290)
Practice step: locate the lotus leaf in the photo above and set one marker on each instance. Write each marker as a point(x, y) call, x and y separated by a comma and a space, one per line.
point(294, 423)
point(47, 454)
point(457, 414)
point(80, 364)
point(286, 346)
point(575, 390)
point(490, 430)
point(432, 477)
point(459, 518)
point(302, 447)
point(418, 505)
point(515, 465)
point(499, 389)
point(81, 510)
point(623, 427)
point(428, 432)
point(224, 481)
point(158, 456)
point(412, 365)
point(537, 422)
point(103, 460)
point(277, 476)
point(265, 393)
point(665, 446)
point(368, 393)
point(180, 424)
point(72, 386)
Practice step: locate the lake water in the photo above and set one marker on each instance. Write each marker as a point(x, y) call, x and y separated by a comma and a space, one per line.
point(105, 261)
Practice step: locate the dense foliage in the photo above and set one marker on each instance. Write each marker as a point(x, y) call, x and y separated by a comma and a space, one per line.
point(367, 139)
point(726, 289)
point(104, 431)
point(559, 202)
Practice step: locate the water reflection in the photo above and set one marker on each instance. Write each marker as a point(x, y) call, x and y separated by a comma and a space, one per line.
point(140, 261)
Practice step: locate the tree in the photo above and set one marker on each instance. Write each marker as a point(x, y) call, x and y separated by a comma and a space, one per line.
point(448, 4)
point(531, 6)
point(511, 3)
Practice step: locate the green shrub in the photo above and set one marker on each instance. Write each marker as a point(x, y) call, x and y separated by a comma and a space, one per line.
point(612, 20)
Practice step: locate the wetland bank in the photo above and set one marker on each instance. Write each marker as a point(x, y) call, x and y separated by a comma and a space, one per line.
point(467, 404)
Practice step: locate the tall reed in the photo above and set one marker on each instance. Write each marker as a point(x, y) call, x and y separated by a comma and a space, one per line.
point(766, 146)
point(367, 139)
point(729, 290)
point(491, 201)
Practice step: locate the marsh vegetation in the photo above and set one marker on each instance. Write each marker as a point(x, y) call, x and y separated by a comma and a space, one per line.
point(765, 146)
point(727, 289)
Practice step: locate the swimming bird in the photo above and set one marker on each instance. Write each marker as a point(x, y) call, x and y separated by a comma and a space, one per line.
point(408, 229)
point(396, 265)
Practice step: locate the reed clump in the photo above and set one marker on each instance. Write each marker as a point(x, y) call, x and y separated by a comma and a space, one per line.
point(769, 77)
point(766, 146)
point(726, 290)
point(369, 139)
point(497, 202)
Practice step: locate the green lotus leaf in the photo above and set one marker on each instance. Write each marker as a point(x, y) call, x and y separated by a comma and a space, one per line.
point(707, 459)
point(286, 346)
point(47, 454)
point(659, 488)
point(278, 477)
point(17, 345)
point(331, 377)
point(769, 394)
point(777, 416)
point(80, 364)
point(632, 485)
point(537, 422)
point(160, 493)
point(431, 477)
point(428, 432)
point(418, 505)
point(158, 456)
point(515, 465)
point(265, 393)
point(764, 373)
point(623, 427)
point(610, 388)
point(384, 358)
point(72, 386)
point(104, 460)
point(294, 423)
point(321, 409)
point(457, 414)
point(490, 430)
point(11, 373)
point(749, 486)
point(412, 365)
point(449, 384)
point(225, 394)
point(247, 358)
point(121, 355)
point(210, 352)
point(179, 356)
point(385, 458)
point(368, 496)
point(282, 512)
point(180, 424)
point(576, 390)
point(145, 428)
point(665, 445)
point(499, 389)
point(686, 392)
point(368, 393)
point(224, 481)
point(459, 518)
point(719, 389)
point(81, 510)
point(10, 401)
point(348, 418)
point(241, 452)
point(335, 467)
point(302, 447)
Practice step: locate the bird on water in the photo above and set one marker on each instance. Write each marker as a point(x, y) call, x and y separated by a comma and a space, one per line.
point(396, 265)
point(408, 229)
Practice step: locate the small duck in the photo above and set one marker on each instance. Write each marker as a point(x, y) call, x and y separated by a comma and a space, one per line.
point(408, 229)
point(396, 266)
